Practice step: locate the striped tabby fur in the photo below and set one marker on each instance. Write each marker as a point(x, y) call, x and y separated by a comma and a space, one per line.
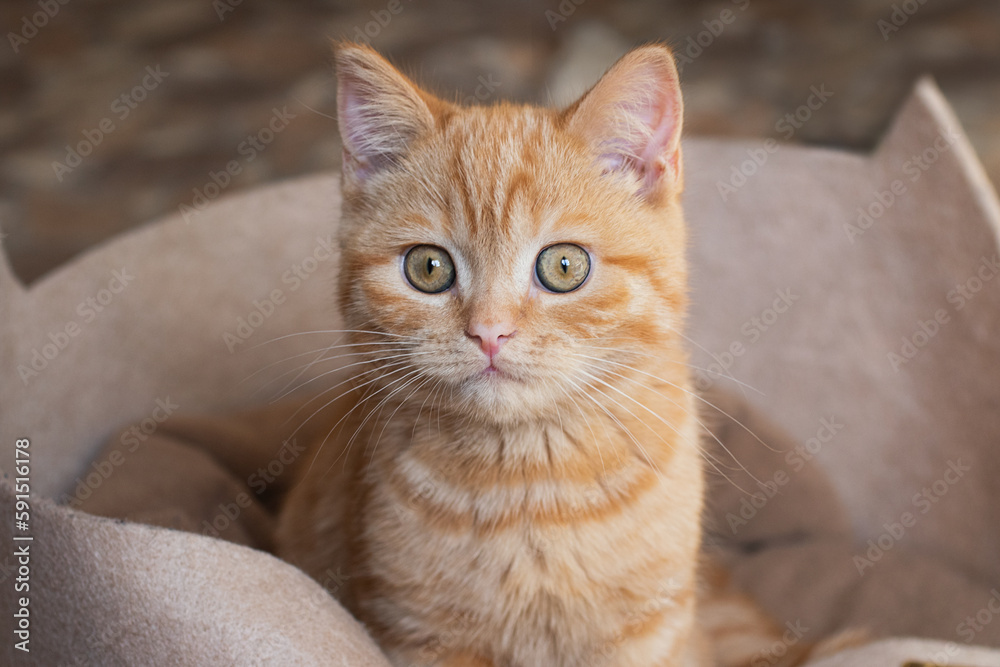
point(537, 505)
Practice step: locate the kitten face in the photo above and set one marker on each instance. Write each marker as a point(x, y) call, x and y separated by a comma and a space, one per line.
point(504, 255)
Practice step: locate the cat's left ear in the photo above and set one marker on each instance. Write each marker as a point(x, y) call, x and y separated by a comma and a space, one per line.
point(632, 118)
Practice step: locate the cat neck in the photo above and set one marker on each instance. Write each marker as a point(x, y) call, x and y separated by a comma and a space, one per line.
point(584, 446)
point(461, 475)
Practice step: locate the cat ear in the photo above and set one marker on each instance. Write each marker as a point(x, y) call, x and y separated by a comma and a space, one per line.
point(379, 110)
point(632, 118)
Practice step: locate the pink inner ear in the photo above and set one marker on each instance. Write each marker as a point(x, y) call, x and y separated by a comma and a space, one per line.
point(663, 128)
point(350, 118)
point(380, 112)
point(651, 150)
point(633, 117)
point(660, 150)
point(361, 127)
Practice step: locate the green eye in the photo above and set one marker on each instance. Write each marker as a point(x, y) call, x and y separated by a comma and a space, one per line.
point(562, 267)
point(429, 268)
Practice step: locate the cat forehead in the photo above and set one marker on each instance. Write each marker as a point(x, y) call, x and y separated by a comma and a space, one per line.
point(497, 181)
point(502, 126)
point(498, 171)
point(487, 143)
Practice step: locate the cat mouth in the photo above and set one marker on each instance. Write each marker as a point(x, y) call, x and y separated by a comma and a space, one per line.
point(496, 374)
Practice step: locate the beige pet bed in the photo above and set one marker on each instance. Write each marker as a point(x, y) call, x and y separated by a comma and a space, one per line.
point(853, 299)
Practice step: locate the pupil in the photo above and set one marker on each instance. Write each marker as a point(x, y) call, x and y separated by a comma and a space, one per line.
point(564, 263)
point(432, 264)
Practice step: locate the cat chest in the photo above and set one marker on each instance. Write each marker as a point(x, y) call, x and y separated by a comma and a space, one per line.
point(539, 594)
point(543, 550)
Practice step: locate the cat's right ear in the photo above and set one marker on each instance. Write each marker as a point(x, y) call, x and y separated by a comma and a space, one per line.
point(380, 111)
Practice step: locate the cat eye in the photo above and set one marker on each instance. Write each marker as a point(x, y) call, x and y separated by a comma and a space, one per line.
point(562, 267)
point(429, 268)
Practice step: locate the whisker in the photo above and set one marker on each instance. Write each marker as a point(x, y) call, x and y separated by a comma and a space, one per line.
point(386, 423)
point(713, 356)
point(409, 378)
point(704, 454)
point(625, 428)
point(332, 331)
point(691, 393)
point(315, 111)
point(719, 373)
point(347, 414)
point(301, 369)
point(432, 392)
point(674, 361)
point(404, 365)
point(634, 400)
point(325, 349)
point(660, 394)
point(593, 435)
point(408, 355)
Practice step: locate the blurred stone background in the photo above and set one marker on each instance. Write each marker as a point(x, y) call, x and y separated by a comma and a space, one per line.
point(115, 112)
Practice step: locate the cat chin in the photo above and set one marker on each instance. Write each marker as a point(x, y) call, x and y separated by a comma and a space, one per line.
point(493, 388)
point(499, 398)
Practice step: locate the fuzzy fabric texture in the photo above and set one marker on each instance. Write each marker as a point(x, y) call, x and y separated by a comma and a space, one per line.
point(852, 297)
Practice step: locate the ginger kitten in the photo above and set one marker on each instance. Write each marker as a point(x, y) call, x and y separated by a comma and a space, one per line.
point(516, 478)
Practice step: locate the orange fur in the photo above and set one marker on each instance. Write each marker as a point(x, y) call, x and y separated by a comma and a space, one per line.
point(547, 513)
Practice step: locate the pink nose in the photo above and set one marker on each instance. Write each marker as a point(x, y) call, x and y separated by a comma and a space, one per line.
point(490, 337)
